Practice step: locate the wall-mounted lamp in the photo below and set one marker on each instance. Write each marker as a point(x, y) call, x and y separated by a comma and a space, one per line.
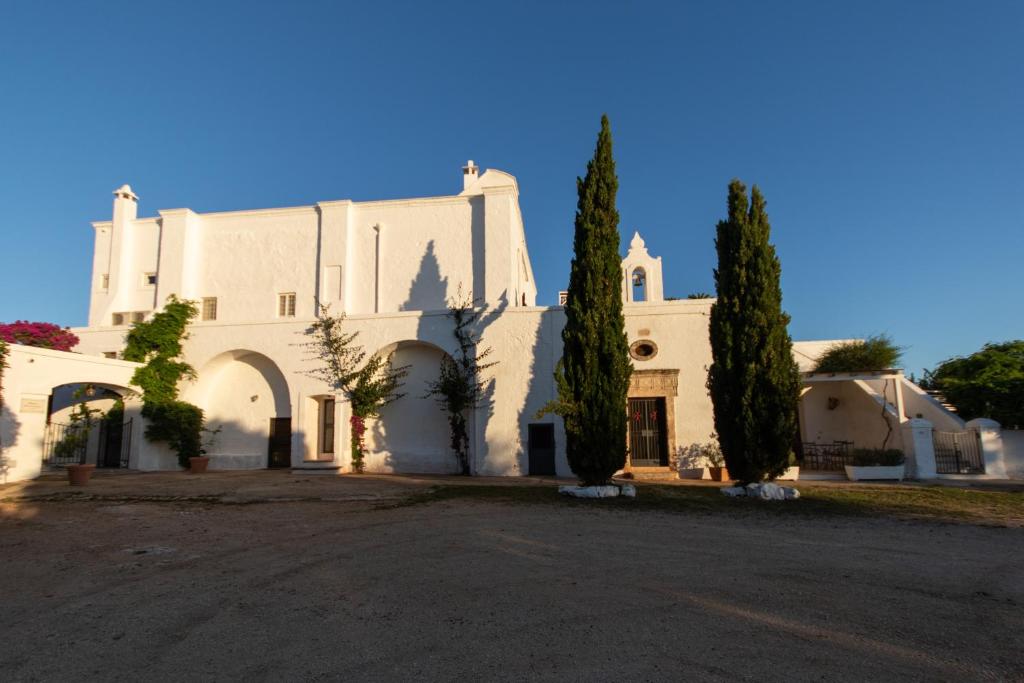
point(833, 402)
point(254, 398)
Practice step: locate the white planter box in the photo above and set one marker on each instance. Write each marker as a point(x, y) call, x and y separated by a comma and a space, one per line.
point(694, 473)
point(876, 472)
point(791, 474)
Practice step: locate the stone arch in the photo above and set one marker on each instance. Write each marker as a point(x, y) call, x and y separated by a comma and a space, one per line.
point(411, 434)
point(241, 392)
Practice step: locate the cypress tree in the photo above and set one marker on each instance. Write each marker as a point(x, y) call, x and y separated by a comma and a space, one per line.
point(593, 376)
point(754, 381)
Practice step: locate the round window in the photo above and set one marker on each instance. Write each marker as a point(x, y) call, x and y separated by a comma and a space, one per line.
point(644, 349)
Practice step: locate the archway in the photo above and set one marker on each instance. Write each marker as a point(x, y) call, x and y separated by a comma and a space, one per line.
point(245, 396)
point(85, 423)
point(411, 435)
point(639, 280)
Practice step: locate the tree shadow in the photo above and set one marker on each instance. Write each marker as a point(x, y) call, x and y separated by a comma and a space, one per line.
point(541, 387)
point(428, 291)
point(9, 429)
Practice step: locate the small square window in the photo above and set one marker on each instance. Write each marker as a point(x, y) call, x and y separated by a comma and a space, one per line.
point(105, 282)
point(209, 308)
point(138, 316)
point(117, 319)
point(149, 279)
point(286, 305)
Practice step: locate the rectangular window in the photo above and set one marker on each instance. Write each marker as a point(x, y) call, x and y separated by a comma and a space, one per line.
point(149, 279)
point(327, 425)
point(138, 316)
point(110, 354)
point(105, 282)
point(209, 308)
point(117, 318)
point(286, 305)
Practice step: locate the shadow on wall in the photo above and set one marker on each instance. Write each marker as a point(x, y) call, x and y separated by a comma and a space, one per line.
point(242, 390)
point(10, 427)
point(539, 392)
point(428, 291)
point(411, 434)
point(481, 417)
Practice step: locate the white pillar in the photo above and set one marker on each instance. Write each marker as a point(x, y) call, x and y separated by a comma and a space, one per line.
point(990, 435)
point(919, 448)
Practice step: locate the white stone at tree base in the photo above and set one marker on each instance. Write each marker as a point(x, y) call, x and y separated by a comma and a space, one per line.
point(765, 491)
point(627, 490)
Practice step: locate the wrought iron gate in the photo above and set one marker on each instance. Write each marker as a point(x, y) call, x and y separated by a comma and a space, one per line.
point(115, 444)
point(647, 434)
point(958, 452)
point(64, 444)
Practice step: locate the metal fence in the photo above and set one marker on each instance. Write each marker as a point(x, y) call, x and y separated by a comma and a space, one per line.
point(64, 444)
point(958, 452)
point(826, 457)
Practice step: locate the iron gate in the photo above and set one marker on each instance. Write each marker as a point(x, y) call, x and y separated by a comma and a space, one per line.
point(64, 444)
point(958, 452)
point(647, 434)
point(115, 444)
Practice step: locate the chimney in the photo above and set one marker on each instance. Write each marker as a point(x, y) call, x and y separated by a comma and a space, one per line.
point(469, 174)
point(126, 205)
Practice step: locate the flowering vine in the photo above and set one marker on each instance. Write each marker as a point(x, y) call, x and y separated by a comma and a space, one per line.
point(42, 335)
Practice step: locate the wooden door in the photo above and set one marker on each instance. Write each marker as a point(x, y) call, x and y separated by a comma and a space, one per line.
point(279, 444)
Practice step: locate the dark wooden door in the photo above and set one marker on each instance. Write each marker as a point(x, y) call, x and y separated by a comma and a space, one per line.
point(542, 449)
point(648, 438)
point(279, 448)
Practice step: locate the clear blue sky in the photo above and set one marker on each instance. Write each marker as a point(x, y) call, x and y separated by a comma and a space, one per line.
point(888, 137)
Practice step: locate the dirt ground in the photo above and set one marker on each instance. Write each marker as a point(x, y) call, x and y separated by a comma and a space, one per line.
point(359, 585)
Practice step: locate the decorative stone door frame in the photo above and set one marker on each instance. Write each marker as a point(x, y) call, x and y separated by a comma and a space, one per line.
point(657, 384)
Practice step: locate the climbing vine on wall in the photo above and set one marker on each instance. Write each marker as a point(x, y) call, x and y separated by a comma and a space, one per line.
point(158, 343)
point(460, 386)
point(4, 350)
point(368, 386)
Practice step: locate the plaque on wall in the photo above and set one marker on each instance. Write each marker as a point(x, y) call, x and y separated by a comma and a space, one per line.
point(31, 404)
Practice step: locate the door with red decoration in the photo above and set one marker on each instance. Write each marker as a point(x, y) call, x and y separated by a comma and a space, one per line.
point(648, 438)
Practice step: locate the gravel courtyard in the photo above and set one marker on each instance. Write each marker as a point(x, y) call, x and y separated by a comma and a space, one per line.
point(373, 585)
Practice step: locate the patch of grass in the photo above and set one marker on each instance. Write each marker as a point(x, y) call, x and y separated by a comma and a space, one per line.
point(903, 502)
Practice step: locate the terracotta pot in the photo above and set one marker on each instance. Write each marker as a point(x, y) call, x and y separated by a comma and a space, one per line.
point(198, 465)
point(78, 475)
point(719, 473)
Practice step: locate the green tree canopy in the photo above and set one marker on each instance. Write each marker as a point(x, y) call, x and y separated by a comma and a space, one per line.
point(593, 375)
point(988, 383)
point(864, 355)
point(753, 381)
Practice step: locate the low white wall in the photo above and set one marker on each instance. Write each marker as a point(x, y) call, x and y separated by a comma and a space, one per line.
point(1013, 453)
point(28, 382)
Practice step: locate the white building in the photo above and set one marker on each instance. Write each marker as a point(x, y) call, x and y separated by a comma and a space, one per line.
point(391, 266)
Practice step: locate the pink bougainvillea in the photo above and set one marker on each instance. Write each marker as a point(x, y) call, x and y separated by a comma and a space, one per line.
point(43, 335)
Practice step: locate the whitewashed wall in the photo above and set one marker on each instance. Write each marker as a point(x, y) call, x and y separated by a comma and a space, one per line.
point(27, 384)
point(1013, 452)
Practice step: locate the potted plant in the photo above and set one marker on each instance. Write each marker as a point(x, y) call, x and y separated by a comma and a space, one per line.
point(76, 442)
point(716, 461)
point(876, 463)
point(688, 461)
point(198, 464)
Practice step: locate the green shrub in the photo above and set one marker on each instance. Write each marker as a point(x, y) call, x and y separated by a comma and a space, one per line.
point(177, 423)
point(874, 353)
point(877, 457)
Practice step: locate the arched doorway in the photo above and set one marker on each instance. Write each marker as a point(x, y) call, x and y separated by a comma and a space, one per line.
point(85, 423)
point(411, 435)
point(245, 399)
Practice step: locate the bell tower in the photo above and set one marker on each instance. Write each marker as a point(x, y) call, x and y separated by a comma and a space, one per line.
point(641, 274)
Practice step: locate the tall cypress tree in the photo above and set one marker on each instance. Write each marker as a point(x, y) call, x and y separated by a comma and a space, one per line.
point(593, 377)
point(754, 381)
